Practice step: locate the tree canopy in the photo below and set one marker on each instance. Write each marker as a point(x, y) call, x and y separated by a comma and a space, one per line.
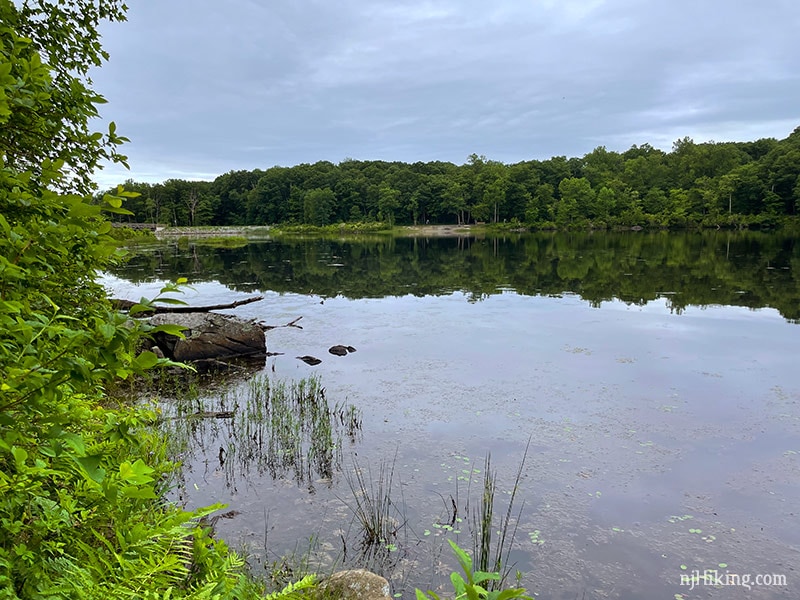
point(711, 184)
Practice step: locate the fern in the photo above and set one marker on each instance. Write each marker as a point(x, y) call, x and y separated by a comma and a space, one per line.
point(296, 590)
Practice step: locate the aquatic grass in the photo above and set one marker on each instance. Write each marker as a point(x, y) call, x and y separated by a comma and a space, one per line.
point(489, 556)
point(285, 429)
point(377, 515)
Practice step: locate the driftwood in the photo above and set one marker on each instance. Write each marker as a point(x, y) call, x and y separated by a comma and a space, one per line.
point(206, 414)
point(120, 304)
point(292, 323)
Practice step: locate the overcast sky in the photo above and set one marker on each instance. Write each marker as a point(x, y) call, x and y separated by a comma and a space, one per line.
point(202, 87)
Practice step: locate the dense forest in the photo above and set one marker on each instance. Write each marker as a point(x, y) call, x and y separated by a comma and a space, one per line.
point(706, 184)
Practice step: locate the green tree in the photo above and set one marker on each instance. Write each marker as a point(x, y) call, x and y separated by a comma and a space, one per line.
point(544, 200)
point(318, 206)
point(388, 202)
point(454, 201)
point(577, 192)
point(605, 203)
point(80, 515)
point(48, 104)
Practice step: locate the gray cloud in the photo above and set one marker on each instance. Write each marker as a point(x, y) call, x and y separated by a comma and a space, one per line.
point(202, 87)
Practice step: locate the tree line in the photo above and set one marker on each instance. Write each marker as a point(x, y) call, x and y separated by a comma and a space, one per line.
point(705, 184)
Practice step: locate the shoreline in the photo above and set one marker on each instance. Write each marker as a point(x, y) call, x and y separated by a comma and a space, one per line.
point(266, 230)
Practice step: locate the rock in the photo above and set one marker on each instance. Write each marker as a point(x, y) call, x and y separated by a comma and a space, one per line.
point(309, 360)
point(358, 584)
point(340, 350)
point(209, 336)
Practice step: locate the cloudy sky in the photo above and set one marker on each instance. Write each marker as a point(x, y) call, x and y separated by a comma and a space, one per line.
point(202, 87)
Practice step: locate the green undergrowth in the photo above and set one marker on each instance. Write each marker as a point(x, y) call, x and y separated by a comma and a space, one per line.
point(335, 229)
point(82, 475)
point(129, 236)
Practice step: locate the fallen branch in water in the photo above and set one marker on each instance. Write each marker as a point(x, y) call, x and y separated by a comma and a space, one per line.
point(289, 324)
point(128, 304)
point(206, 414)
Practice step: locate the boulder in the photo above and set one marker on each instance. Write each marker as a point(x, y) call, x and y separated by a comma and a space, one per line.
point(209, 336)
point(356, 584)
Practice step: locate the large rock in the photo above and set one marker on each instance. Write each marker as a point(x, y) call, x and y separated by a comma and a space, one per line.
point(209, 336)
point(357, 584)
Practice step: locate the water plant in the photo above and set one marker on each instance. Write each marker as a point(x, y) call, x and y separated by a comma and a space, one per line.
point(285, 429)
point(475, 584)
point(483, 523)
point(377, 515)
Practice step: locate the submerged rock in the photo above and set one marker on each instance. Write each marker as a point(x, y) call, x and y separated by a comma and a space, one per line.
point(309, 360)
point(357, 584)
point(209, 336)
point(340, 350)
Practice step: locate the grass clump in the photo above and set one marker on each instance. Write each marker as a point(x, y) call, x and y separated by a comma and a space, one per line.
point(267, 426)
point(375, 512)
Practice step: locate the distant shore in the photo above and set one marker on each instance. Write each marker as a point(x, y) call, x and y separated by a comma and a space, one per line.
point(223, 231)
point(249, 231)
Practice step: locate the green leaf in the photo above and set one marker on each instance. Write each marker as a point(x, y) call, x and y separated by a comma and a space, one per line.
point(509, 593)
point(118, 211)
point(174, 301)
point(137, 473)
point(170, 329)
point(143, 493)
point(91, 466)
point(20, 456)
point(463, 558)
point(146, 360)
point(481, 576)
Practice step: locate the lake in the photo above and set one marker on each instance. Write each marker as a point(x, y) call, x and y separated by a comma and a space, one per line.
point(652, 377)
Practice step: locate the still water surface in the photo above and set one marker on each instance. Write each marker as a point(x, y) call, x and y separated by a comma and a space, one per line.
point(655, 376)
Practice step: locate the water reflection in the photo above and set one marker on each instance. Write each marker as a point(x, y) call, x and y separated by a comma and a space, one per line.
point(748, 269)
point(664, 424)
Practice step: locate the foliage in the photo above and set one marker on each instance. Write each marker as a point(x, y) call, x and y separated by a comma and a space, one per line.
point(80, 479)
point(731, 184)
point(128, 235)
point(337, 229)
point(222, 241)
point(295, 591)
point(472, 586)
point(46, 100)
point(484, 524)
